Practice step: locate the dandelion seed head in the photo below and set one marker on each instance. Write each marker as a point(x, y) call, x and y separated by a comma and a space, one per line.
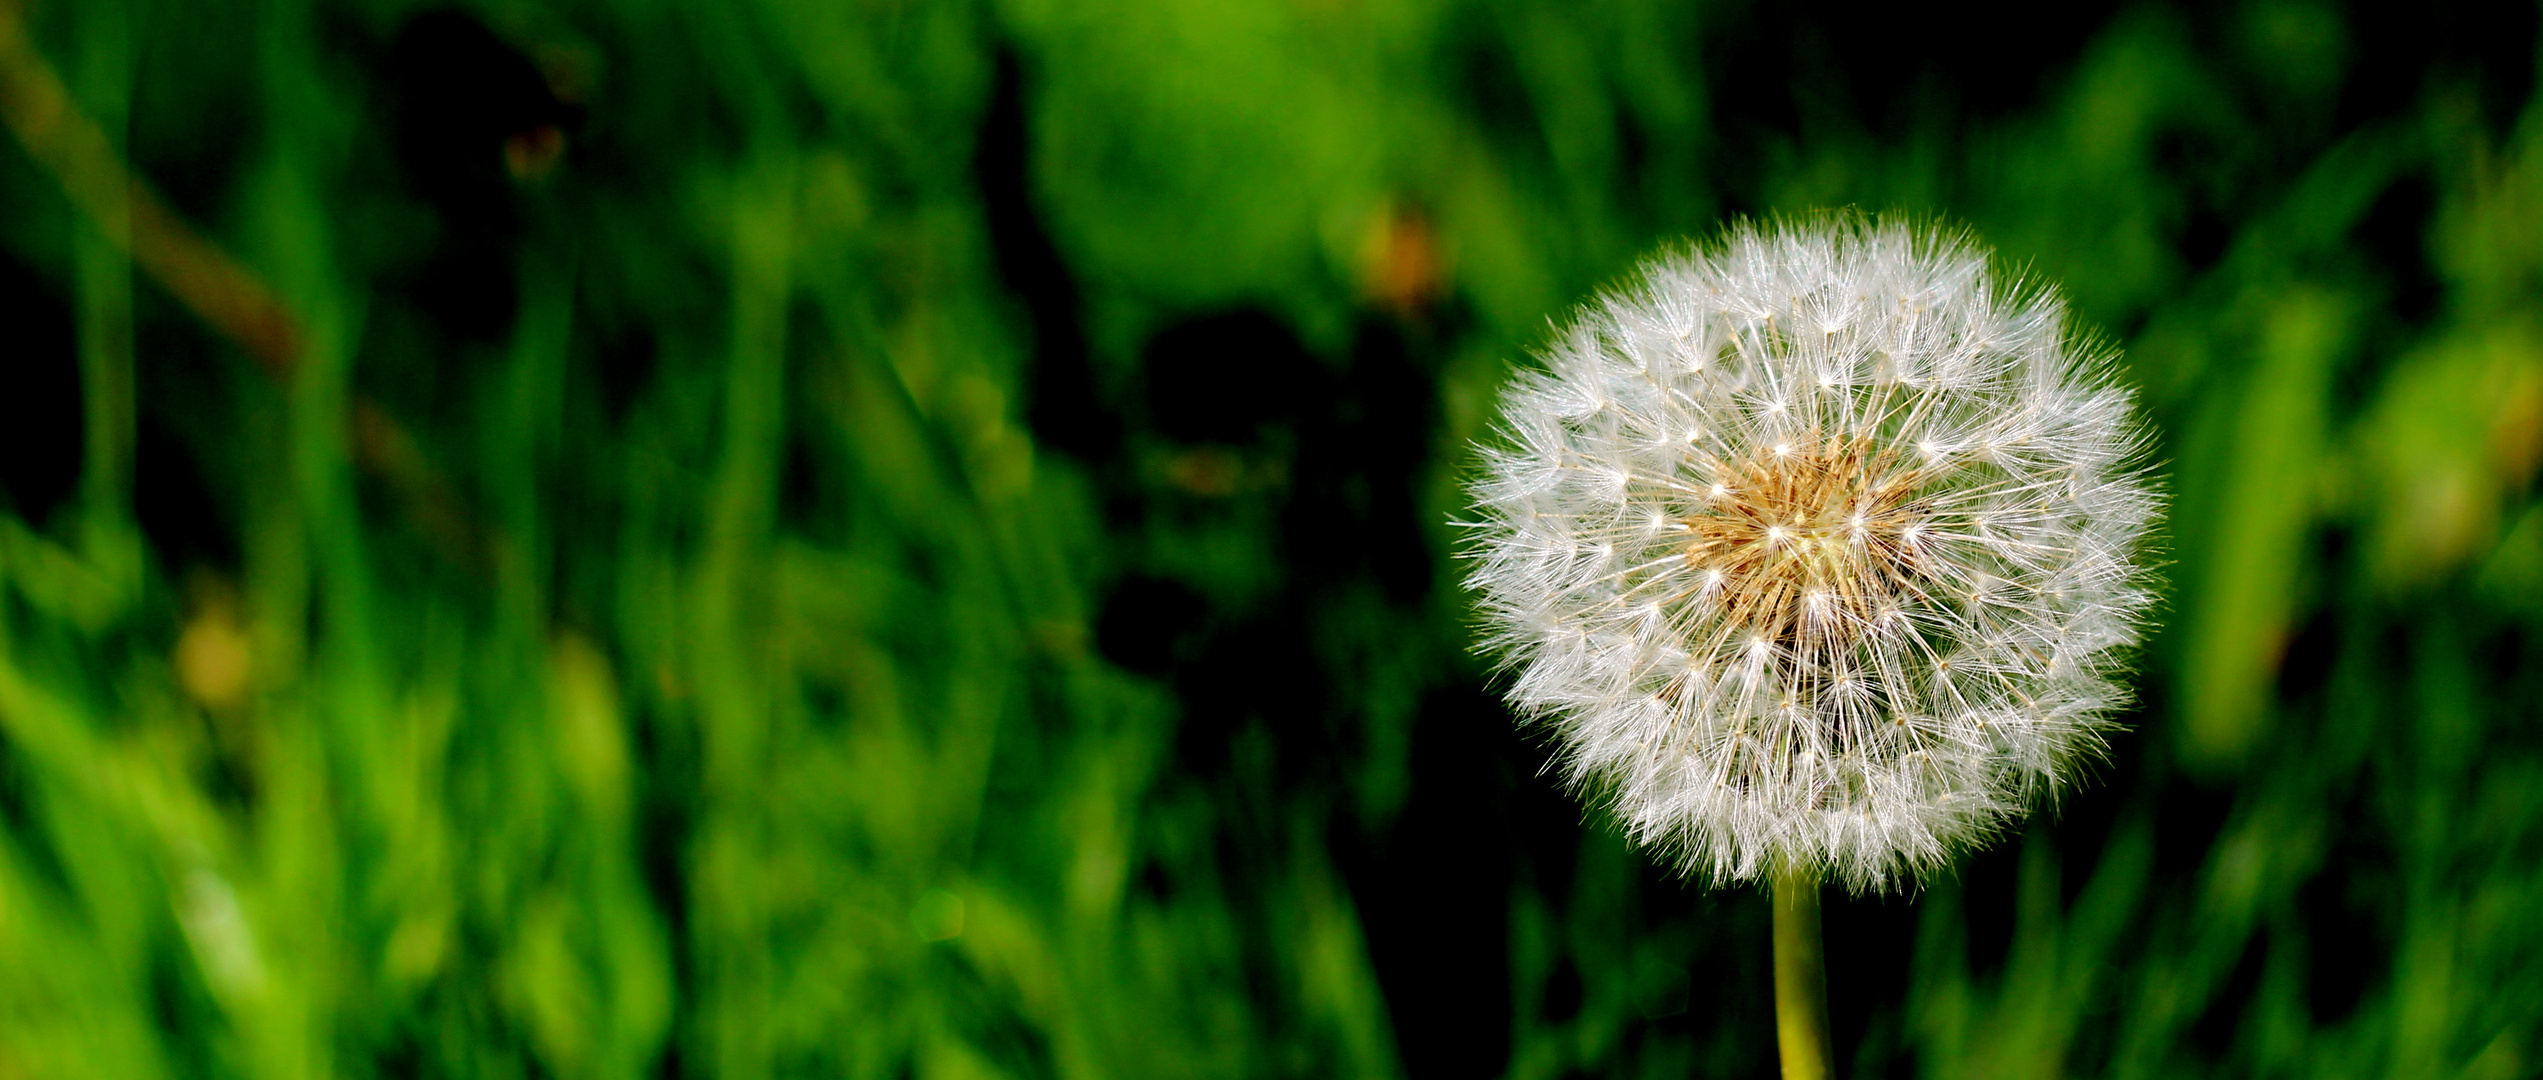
point(1872, 605)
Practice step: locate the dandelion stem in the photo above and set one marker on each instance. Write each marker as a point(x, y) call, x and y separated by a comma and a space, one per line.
point(1801, 976)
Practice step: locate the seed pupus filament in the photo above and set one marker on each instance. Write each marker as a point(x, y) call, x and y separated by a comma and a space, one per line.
point(1811, 538)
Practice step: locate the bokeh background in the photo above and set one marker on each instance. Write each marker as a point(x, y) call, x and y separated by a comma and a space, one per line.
point(910, 538)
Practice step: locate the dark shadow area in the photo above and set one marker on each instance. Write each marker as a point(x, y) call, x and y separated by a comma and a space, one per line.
point(473, 117)
point(1064, 407)
point(41, 425)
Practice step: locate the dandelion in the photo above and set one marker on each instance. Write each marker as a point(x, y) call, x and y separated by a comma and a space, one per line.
point(1817, 550)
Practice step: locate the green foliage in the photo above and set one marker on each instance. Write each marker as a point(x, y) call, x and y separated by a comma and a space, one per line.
point(910, 539)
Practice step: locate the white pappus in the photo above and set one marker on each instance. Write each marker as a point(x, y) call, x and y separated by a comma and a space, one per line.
point(1817, 548)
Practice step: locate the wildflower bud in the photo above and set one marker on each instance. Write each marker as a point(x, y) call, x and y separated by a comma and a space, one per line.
point(1817, 549)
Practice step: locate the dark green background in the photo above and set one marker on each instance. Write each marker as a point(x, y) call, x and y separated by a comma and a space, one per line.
point(914, 541)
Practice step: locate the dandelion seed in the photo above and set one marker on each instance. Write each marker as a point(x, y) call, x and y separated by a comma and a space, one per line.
point(1826, 662)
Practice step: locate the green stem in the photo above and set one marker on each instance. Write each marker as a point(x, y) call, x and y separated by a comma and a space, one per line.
point(1801, 978)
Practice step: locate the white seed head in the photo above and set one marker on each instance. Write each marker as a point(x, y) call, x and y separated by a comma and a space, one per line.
point(1902, 563)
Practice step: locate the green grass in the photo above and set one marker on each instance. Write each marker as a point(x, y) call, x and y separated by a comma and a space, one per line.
point(918, 546)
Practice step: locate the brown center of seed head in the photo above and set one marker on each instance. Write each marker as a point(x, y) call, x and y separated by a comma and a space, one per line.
point(1814, 540)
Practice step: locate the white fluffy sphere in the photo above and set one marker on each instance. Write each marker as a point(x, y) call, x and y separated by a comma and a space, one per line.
point(1817, 549)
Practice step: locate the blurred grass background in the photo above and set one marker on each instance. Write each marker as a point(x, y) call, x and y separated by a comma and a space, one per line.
point(908, 539)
